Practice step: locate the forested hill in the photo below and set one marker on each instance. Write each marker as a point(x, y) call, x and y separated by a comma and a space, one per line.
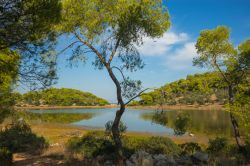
point(61, 97)
point(195, 89)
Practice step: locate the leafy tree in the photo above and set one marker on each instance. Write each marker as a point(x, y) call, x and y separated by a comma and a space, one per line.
point(62, 97)
point(26, 28)
point(195, 89)
point(111, 30)
point(218, 53)
point(9, 63)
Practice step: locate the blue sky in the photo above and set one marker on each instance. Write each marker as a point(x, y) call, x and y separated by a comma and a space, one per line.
point(170, 57)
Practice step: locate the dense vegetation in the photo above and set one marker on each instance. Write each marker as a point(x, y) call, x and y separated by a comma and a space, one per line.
point(95, 144)
point(62, 97)
point(195, 89)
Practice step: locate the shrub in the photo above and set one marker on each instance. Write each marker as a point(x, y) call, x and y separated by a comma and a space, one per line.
point(181, 123)
point(91, 145)
point(217, 145)
point(108, 126)
point(96, 143)
point(18, 137)
point(152, 145)
point(5, 157)
point(247, 147)
point(190, 148)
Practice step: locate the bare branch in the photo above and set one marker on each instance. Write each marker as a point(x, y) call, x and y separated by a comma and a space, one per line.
point(99, 55)
point(222, 73)
point(67, 47)
point(138, 95)
point(119, 71)
point(114, 51)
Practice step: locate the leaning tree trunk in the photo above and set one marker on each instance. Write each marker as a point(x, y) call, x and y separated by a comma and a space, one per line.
point(233, 120)
point(115, 127)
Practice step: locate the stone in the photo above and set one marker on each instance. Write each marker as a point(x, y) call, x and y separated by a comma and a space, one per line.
point(184, 160)
point(129, 163)
point(201, 157)
point(141, 158)
point(162, 160)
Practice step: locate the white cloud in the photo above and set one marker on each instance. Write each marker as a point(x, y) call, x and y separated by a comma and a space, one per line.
point(181, 58)
point(160, 46)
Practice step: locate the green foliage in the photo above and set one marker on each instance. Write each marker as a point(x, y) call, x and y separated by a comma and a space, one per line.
point(247, 147)
point(26, 22)
point(6, 157)
point(152, 145)
point(213, 45)
point(18, 137)
point(63, 97)
point(217, 145)
point(91, 145)
point(97, 143)
point(95, 17)
point(195, 89)
point(190, 148)
point(181, 123)
point(146, 100)
point(160, 117)
point(122, 127)
point(9, 65)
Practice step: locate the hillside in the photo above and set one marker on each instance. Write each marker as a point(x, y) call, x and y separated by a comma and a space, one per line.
point(61, 97)
point(195, 89)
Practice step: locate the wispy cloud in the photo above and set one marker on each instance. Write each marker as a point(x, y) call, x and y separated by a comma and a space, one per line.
point(160, 46)
point(181, 58)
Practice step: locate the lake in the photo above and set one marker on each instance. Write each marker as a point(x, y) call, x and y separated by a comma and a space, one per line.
point(151, 121)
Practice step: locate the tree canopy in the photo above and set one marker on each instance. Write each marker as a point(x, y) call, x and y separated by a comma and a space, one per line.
point(62, 97)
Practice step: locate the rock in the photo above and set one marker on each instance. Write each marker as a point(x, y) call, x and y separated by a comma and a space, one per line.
point(201, 157)
point(108, 163)
point(141, 158)
point(191, 134)
point(129, 163)
point(55, 144)
point(184, 160)
point(162, 160)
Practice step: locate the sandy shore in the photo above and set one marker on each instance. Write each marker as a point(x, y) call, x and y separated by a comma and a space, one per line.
point(166, 107)
point(63, 107)
point(182, 107)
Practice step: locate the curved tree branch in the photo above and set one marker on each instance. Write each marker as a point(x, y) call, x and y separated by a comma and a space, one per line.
point(138, 95)
point(119, 71)
point(92, 48)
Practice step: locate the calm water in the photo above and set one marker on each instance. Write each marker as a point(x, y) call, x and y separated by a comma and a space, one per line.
point(207, 122)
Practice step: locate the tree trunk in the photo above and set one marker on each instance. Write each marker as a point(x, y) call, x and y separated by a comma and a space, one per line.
point(119, 113)
point(233, 120)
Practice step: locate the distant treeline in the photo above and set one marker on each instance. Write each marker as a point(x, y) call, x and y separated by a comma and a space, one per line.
point(59, 97)
point(198, 89)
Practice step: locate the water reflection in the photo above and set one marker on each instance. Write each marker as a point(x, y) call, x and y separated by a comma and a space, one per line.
point(206, 122)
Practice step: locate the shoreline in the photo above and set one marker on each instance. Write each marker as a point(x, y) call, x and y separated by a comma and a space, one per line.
point(63, 107)
point(154, 107)
point(181, 107)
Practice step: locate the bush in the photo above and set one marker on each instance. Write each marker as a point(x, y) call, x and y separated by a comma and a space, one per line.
point(190, 148)
point(18, 137)
point(217, 145)
point(91, 145)
point(108, 126)
point(181, 123)
point(96, 143)
point(5, 157)
point(247, 147)
point(152, 145)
